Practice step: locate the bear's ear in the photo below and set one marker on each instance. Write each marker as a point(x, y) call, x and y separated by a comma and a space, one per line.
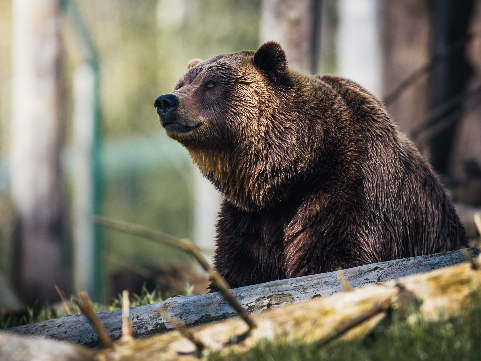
point(193, 63)
point(271, 59)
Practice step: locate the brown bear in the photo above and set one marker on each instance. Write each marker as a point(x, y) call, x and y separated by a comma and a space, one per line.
point(314, 174)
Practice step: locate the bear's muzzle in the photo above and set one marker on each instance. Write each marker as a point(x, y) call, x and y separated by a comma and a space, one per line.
point(173, 122)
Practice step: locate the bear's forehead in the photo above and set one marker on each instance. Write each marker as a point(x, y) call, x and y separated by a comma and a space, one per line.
point(221, 65)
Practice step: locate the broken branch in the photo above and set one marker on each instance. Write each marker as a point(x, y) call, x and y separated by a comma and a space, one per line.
point(188, 247)
point(184, 331)
point(86, 308)
point(342, 280)
point(126, 324)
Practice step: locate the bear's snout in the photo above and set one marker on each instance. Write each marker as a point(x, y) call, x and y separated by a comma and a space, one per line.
point(175, 120)
point(165, 105)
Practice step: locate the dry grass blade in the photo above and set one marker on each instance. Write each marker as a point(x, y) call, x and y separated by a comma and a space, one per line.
point(342, 280)
point(64, 300)
point(86, 308)
point(127, 332)
point(184, 331)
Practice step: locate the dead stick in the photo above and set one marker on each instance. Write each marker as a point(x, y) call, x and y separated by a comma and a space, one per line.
point(343, 281)
point(86, 308)
point(184, 331)
point(137, 230)
point(229, 297)
point(219, 283)
point(64, 300)
point(346, 326)
point(126, 324)
point(188, 247)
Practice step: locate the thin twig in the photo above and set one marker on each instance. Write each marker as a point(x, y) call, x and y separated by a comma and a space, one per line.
point(188, 247)
point(144, 232)
point(138, 230)
point(127, 331)
point(64, 300)
point(86, 308)
point(426, 68)
point(224, 289)
point(342, 280)
point(132, 267)
point(184, 331)
point(443, 110)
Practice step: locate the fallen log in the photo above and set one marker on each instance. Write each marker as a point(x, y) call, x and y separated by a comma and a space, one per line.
point(444, 292)
point(197, 310)
point(21, 348)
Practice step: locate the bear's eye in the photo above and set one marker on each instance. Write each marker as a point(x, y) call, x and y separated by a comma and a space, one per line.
point(210, 84)
point(179, 85)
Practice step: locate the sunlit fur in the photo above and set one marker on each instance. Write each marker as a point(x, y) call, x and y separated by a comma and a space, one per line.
point(314, 173)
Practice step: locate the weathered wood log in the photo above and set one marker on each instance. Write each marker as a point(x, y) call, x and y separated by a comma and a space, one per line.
point(198, 310)
point(444, 292)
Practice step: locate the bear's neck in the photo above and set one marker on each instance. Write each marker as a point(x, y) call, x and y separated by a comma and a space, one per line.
point(261, 175)
point(239, 180)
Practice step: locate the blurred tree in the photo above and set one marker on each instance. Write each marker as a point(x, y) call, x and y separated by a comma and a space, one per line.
point(296, 26)
point(35, 152)
point(406, 40)
point(451, 20)
point(430, 50)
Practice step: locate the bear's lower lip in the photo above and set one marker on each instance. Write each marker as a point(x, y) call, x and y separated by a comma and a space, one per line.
point(176, 128)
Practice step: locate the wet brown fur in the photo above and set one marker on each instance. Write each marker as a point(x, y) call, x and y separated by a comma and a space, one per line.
point(314, 173)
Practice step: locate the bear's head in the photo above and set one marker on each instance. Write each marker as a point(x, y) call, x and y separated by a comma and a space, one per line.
point(242, 117)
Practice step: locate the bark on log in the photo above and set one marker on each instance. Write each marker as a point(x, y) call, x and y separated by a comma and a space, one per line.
point(211, 307)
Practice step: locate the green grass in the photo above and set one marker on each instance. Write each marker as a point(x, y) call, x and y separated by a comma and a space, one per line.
point(33, 314)
point(457, 338)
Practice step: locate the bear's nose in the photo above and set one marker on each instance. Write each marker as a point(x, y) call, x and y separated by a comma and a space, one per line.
point(166, 104)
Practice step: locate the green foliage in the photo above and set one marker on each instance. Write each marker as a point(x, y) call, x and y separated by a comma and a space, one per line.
point(47, 313)
point(144, 47)
point(145, 298)
point(154, 195)
point(457, 338)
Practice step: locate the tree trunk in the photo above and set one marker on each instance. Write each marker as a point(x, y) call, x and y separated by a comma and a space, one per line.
point(467, 142)
point(36, 142)
point(406, 45)
point(295, 25)
point(358, 43)
point(450, 75)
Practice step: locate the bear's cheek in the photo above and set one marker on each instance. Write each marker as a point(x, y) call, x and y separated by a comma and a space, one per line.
point(241, 123)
